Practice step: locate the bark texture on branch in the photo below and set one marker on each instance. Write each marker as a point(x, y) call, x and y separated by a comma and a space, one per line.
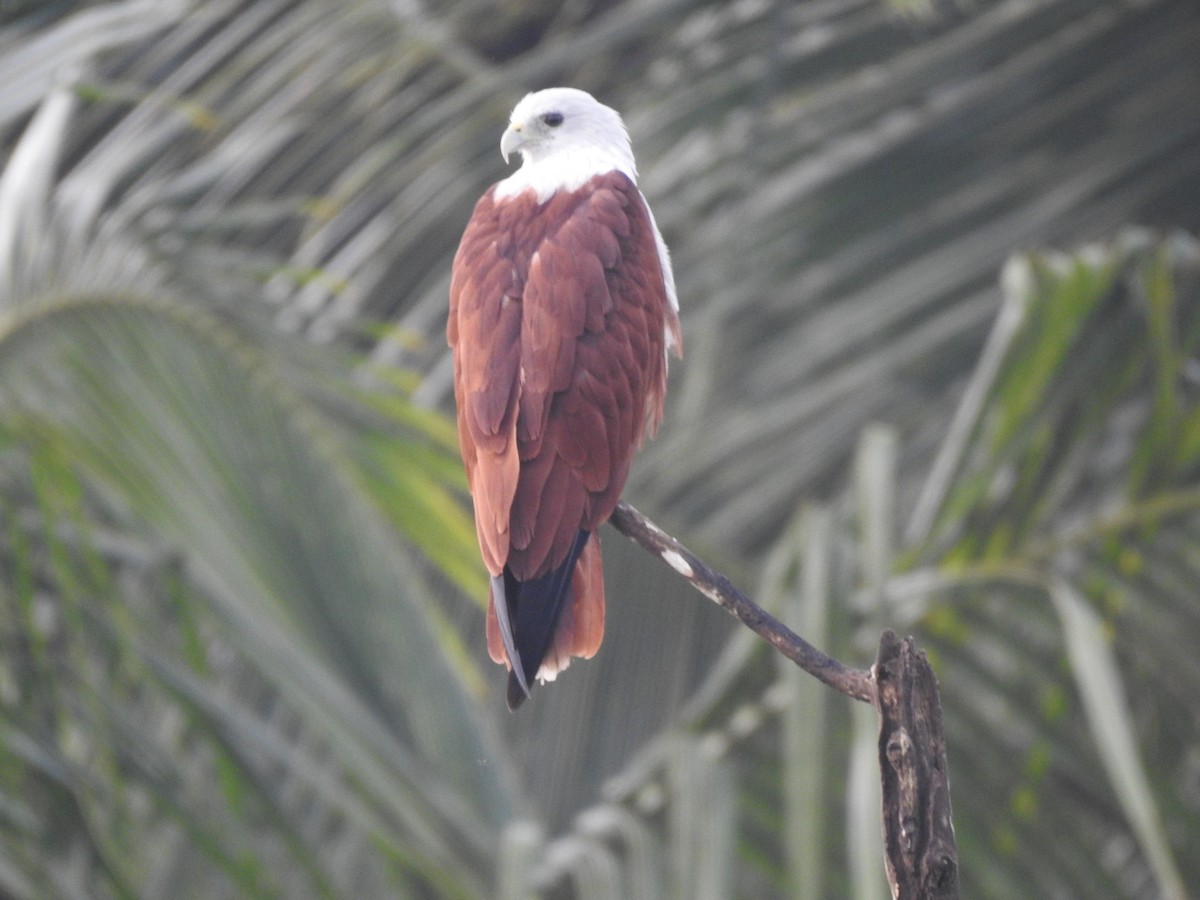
point(852, 682)
point(919, 847)
point(918, 832)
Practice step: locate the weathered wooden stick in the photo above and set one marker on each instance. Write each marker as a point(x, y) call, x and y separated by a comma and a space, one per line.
point(919, 848)
point(918, 832)
point(854, 683)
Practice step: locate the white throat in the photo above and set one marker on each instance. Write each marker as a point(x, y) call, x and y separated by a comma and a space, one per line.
point(565, 169)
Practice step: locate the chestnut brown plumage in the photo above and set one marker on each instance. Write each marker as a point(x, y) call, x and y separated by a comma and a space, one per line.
point(562, 311)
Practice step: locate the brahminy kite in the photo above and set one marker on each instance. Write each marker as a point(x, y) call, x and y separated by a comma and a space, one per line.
point(562, 312)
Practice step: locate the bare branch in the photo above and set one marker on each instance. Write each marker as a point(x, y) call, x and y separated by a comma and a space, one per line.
point(856, 683)
point(920, 851)
point(919, 846)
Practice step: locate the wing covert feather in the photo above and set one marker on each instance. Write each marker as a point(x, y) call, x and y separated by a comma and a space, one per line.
point(559, 320)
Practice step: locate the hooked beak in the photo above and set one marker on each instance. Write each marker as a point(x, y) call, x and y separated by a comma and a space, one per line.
point(512, 140)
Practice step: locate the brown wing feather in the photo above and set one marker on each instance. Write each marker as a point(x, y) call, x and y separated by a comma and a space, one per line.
point(593, 351)
point(484, 330)
point(558, 319)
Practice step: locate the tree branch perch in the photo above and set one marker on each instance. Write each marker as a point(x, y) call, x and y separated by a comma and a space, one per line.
point(919, 847)
point(855, 683)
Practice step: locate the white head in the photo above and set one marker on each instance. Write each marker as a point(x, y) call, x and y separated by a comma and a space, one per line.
point(565, 136)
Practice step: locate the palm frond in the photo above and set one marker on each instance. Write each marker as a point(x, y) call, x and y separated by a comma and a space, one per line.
point(180, 424)
point(840, 183)
point(1069, 478)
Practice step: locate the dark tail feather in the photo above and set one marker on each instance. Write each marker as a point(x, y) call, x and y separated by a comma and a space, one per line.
point(517, 692)
point(528, 614)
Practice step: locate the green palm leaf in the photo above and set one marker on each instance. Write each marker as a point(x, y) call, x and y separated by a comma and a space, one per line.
point(182, 425)
point(237, 184)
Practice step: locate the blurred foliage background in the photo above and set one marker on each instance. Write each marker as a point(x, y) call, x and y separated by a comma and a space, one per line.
point(941, 303)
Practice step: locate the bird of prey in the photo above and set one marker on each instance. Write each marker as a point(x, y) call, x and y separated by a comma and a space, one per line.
point(562, 314)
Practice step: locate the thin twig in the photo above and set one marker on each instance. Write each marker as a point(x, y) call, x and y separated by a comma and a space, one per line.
point(856, 683)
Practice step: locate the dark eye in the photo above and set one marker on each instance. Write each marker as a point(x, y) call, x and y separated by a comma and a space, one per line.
point(553, 119)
